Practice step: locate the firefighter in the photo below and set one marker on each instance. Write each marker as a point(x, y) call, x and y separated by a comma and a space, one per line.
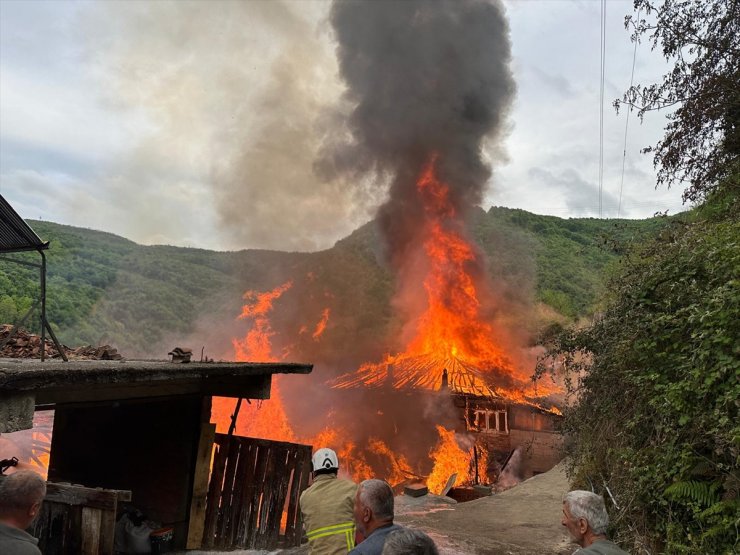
point(327, 507)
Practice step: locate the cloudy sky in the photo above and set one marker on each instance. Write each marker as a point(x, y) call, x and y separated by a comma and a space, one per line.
point(198, 123)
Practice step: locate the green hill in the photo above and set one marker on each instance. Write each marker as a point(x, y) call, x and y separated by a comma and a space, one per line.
point(144, 299)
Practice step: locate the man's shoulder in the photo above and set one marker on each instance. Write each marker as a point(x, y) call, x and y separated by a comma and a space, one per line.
point(332, 484)
point(601, 547)
point(373, 544)
point(17, 542)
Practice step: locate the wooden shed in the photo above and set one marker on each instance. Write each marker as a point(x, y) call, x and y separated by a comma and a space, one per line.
point(142, 427)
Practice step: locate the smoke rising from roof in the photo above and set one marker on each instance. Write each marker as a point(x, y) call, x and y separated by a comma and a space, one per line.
point(423, 77)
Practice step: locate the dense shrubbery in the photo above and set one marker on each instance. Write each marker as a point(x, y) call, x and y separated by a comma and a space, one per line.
point(656, 380)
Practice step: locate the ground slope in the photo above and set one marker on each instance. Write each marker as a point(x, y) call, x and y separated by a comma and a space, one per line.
point(521, 521)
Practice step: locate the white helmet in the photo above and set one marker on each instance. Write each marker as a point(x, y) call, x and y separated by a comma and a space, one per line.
point(325, 459)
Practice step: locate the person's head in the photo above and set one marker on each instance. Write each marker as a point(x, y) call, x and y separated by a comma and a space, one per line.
point(373, 505)
point(409, 542)
point(21, 495)
point(325, 461)
point(585, 516)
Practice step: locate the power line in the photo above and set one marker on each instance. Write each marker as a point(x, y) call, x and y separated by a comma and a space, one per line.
point(626, 124)
point(601, 105)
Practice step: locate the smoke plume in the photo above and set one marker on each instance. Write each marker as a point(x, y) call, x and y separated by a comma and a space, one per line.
point(424, 78)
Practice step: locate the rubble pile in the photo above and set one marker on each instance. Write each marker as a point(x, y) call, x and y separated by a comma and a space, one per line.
point(24, 344)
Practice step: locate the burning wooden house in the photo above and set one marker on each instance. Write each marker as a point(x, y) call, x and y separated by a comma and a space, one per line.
point(506, 417)
point(141, 430)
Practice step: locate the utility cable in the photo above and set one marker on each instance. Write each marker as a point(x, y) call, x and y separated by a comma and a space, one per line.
point(626, 124)
point(601, 105)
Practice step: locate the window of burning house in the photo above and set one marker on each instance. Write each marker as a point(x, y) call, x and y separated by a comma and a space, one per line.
point(488, 420)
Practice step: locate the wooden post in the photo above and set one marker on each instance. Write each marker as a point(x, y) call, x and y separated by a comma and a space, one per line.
point(198, 503)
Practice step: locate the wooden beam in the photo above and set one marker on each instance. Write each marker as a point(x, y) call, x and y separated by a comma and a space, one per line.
point(249, 387)
point(91, 521)
point(96, 498)
point(198, 502)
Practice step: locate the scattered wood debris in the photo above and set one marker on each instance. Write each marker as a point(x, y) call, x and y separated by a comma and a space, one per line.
point(180, 354)
point(24, 344)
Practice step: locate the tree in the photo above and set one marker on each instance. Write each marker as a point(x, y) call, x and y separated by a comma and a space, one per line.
point(701, 146)
point(654, 422)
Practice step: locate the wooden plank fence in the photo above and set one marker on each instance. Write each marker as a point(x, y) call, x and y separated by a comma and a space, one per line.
point(253, 493)
point(75, 520)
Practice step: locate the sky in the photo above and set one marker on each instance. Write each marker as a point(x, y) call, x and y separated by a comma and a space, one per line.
point(198, 123)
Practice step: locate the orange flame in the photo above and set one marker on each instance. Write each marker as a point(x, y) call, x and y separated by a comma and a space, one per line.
point(256, 346)
point(451, 332)
point(321, 326)
point(449, 458)
point(258, 419)
point(451, 326)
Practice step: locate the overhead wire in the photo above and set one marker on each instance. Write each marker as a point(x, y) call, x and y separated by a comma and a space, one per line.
point(626, 124)
point(601, 105)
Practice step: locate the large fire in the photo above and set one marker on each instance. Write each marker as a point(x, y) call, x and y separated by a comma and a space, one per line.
point(450, 335)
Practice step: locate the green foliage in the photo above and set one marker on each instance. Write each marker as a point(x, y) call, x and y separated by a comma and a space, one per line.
point(570, 257)
point(105, 289)
point(656, 383)
point(701, 41)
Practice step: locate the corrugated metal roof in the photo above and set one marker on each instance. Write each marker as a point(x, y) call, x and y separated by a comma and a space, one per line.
point(15, 234)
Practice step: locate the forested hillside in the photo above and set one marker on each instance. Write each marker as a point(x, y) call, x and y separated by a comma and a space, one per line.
point(106, 289)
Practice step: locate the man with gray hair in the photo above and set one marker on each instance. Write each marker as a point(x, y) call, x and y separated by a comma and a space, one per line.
point(21, 496)
point(409, 542)
point(585, 517)
point(373, 516)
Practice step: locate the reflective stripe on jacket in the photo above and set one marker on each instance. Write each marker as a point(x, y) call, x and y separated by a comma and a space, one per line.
point(327, 509)
point(346, 528)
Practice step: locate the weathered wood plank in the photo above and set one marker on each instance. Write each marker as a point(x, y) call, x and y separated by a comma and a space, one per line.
point(266, 499)
point(238, 508)
point(224, 517)
point(253, 485)
point(246, 493)
point(280, 492)
point(60, 527)
point(291, 501)
point(263, 453)
point(214, 492)
point(79, 495)
point(198, 505)
point(91, 521)
point(107, 532)
point(304, 479)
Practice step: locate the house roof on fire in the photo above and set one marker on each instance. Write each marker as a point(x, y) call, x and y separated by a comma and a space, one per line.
point(425, 372)
point(15, 234)
point(100, 380)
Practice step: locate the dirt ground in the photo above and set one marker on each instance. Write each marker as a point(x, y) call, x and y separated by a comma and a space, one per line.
point(521, 521)
point(524, 520)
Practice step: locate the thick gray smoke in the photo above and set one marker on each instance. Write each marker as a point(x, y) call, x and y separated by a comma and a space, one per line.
point(423, 77)
point(235, 99)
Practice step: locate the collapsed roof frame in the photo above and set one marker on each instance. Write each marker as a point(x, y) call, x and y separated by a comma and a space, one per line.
point(17, 236)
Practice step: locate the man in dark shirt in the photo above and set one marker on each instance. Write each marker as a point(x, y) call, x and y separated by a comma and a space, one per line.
point(373, 516)
point(21, 495)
